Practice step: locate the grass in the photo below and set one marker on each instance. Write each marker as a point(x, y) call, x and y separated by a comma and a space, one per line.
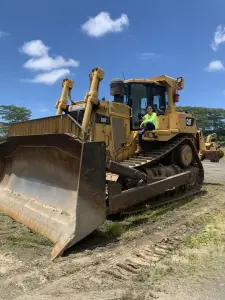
point(129, 227)
point(213, 233)
point(18, 237)
point(223, 149)
point(112, 229)
point(194, 257)
point(28, 239)
point(197, 250)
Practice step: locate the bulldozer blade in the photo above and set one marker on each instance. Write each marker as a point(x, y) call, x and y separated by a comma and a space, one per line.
point(54, 185)
point(213, 155)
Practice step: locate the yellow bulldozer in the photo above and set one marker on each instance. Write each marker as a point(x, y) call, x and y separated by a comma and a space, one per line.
point(211, 148)
point(64, 175)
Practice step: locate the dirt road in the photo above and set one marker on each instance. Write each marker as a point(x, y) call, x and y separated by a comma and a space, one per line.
point(129, 259)
point(214, 172)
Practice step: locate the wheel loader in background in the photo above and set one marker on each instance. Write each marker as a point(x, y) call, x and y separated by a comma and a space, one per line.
point(63, 175)
point(211, 149)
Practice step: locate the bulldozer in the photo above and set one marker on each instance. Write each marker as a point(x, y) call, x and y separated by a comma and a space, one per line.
point(64, 175)
point(211, 149)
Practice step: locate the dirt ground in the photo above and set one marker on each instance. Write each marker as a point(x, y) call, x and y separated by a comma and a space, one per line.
point(167, 253)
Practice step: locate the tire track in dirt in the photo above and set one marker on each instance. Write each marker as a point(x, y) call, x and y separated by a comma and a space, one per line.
point(147, 256)
point(101, 278)
point(95, 273)
point(88, 271)
point(116, 270)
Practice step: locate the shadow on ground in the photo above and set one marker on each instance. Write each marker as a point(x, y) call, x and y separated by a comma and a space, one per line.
point(212, 184)
point(111, 231)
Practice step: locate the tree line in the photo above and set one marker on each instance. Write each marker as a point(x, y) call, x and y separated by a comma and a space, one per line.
point(10, 114)
point(208, 119)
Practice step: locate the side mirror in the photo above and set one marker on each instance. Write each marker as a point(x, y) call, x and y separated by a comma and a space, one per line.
point(180, 83)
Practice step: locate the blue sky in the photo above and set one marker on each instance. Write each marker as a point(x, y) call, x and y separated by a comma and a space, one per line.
point(41, 42)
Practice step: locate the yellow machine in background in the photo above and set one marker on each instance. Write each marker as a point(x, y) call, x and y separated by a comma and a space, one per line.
point(211, 148)
point(64, 175)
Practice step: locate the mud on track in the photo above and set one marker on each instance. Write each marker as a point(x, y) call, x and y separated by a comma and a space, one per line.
point(106, 264)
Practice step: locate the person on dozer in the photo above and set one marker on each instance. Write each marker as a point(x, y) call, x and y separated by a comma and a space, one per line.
point(149, 123)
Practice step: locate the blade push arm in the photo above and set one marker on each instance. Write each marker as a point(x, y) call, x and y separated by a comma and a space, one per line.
point(61, 104)
point(211, 138)
point(91, 97)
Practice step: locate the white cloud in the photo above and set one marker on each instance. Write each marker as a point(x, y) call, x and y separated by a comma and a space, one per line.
point(3, 33)
point(215, 65)
point(44, 110)
point(54, 68)
point(49, 78)
point(147, 55)
point(35, 48)
point(47, 63)
point(102, 24)
point(219, 37)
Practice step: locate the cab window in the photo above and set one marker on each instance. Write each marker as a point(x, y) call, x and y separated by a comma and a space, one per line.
point(158, 97)
point(139, 100)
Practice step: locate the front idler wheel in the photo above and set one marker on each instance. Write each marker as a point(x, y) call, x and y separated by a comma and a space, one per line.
point(184, 156)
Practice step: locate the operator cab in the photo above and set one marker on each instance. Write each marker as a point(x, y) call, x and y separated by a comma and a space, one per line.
point(139, 95)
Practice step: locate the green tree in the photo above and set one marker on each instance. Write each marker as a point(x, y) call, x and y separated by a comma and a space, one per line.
point(208, 119)
point(10, 114)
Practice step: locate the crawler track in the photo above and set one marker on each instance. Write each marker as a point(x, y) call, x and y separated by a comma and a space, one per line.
point(160, 163)
point(150, 158)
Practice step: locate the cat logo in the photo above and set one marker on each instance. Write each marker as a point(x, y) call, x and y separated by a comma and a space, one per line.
point(190, 121)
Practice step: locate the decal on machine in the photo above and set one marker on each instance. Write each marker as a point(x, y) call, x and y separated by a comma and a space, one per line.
point(190, 121)
point(102, 119)
point(182, 116)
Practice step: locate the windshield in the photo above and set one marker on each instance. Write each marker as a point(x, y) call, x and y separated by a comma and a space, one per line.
point(159, 98)
point(140, 96)
point(139, 100)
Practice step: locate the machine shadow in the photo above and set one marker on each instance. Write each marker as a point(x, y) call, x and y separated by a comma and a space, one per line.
point(212, 184)
point(109, 236)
